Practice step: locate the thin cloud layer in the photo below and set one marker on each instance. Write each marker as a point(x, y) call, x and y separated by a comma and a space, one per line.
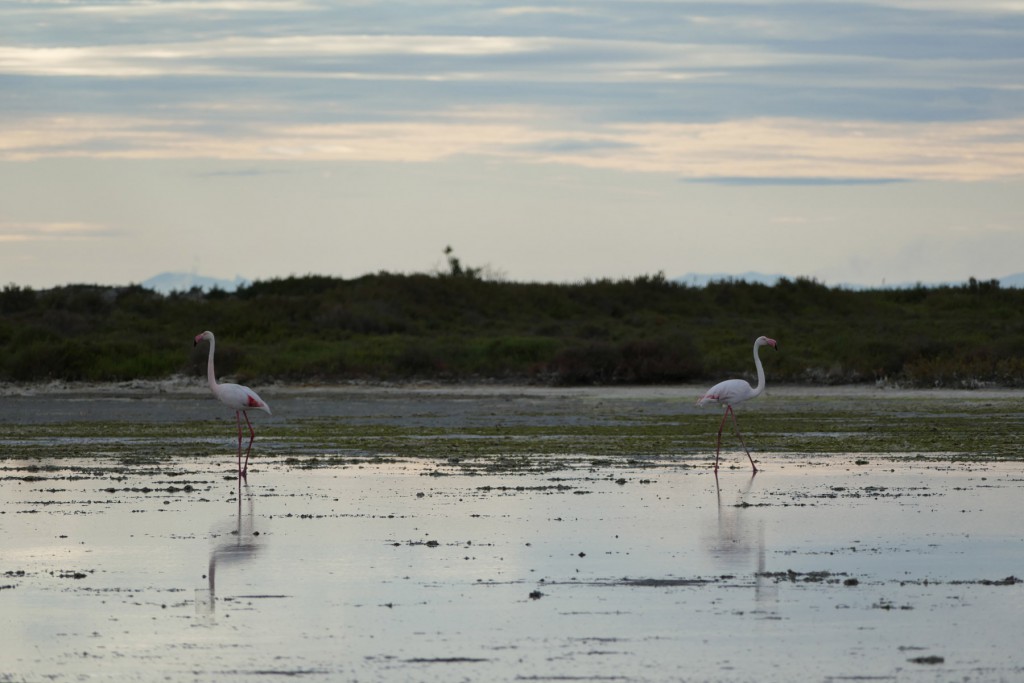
point(788, 149)
point(851, 89)
point(40, 232)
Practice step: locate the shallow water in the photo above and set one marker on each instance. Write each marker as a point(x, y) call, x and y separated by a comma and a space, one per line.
point(814, 569)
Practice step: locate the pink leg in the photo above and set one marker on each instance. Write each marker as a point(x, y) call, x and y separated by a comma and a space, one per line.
point(238, 419)
point(736, 422)
point(718, 446)
point(252, 435)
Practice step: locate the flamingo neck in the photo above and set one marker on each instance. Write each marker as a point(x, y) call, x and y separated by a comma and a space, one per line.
point(211, 376)
point(757, 362)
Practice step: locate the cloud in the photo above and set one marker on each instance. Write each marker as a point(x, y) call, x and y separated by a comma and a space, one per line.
point(783, 92)
point(487, 58)
point(962, 6)
point(757, 151)
point(283, 56)
point(792, 181)
point(45, 232)
point(576, 145)
point(521, 10)
point(177, 7)
point(516, 57)
point(673, 62)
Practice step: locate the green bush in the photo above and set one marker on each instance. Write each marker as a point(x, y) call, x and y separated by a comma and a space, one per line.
point(458, 327)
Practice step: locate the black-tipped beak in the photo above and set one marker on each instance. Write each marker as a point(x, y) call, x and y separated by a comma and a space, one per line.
point(195, 343)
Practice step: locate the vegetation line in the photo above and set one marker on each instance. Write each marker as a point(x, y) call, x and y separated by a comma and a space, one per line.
point(459, 326)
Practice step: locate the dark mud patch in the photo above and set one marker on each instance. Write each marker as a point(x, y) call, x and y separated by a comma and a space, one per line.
point(446, 660)
point(807, 577)
point(287, 673)
point(1008, 581)
point(643, 582)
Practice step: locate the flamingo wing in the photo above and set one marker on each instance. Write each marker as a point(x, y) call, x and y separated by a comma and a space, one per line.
point(729, 392)
point(239, 397)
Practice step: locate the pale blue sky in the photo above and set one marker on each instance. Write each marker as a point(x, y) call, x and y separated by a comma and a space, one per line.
point(855, 142)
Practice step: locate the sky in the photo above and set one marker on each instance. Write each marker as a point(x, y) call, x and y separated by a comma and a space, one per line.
point(851, 141)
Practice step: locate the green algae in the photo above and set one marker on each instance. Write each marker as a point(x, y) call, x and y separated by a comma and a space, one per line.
point(620, 431)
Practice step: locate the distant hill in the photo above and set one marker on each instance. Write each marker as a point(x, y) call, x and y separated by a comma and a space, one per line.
point(701, 279)
point(165, 283)
point(1016, 280)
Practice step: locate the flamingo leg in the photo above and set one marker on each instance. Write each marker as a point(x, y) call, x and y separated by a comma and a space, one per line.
point(739, 434)
point(252, 435)
point(238, 419)
point(718, 446)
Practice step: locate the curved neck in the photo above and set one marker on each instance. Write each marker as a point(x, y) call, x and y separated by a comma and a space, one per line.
point(211, 376)
point(757, 362)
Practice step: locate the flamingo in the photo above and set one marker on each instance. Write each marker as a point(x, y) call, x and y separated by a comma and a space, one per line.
point(733, 391)
point(235, 396)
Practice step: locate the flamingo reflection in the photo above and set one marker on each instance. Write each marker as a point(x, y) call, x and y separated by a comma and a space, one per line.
point(738, 545)
point(235, 542)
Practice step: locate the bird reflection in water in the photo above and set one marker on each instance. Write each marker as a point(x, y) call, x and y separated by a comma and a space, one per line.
point(234, 541)
point(738, 545)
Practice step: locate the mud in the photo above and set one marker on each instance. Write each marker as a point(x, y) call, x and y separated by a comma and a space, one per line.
point(131, 551)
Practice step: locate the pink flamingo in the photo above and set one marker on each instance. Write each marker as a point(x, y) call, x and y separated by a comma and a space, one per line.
point(733, 391)
point(235, 396)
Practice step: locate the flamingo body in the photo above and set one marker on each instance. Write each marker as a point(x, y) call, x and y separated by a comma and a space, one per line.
point(238, 397)
point(734, 391)
point(235, 396)
point(728, 393)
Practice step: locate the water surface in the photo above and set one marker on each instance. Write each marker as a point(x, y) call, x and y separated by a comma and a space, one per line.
point(415, 569)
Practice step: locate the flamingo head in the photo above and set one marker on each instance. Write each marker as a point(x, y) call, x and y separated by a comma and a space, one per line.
point(767, 341)
point(202, 337)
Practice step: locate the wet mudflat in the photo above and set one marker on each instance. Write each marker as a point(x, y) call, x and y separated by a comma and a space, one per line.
point(398, 535)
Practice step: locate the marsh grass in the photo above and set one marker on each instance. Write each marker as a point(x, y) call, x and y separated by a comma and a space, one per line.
point(644, 330)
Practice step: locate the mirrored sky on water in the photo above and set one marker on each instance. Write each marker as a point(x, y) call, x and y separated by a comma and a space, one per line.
point(375, 569)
